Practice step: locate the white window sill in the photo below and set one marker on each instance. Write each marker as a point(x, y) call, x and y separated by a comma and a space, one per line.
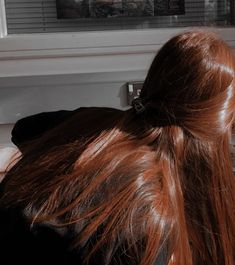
point(86, 52)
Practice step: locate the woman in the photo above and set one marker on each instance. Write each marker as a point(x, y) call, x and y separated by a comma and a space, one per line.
point(150, 185)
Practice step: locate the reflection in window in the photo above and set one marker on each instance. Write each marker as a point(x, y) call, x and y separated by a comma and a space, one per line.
point(32, 16)
point(118, 8)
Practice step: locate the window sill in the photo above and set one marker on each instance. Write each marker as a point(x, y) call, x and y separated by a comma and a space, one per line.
point(86, 52)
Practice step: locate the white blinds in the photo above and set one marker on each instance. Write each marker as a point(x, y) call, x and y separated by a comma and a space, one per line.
point(34, 16)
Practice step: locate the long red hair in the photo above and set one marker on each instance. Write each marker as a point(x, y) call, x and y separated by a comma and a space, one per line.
point(141, 188)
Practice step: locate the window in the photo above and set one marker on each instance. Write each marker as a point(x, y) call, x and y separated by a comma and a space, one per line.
point(34, 16)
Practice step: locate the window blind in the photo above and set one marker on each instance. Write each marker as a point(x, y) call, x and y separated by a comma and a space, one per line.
point(34, 16)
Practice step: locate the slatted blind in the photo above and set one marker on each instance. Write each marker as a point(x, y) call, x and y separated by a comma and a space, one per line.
point(34, 16)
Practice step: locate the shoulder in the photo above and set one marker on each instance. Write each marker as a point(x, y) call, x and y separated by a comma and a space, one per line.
point(35, 126)
point(98, 111)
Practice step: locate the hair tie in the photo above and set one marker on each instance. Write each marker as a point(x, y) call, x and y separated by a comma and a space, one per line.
point(138, 105)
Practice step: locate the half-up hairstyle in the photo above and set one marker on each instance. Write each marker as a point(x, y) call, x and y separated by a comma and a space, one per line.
point(149, 187)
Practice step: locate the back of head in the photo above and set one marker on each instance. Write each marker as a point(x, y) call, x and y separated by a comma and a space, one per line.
point(191, 84)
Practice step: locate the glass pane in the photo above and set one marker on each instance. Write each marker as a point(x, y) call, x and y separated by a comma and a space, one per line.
point(29, 16)
point(118, 8)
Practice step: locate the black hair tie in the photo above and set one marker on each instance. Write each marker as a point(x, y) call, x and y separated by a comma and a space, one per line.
point(138, 105)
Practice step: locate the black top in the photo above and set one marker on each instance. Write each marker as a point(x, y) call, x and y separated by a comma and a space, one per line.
point(41, 245)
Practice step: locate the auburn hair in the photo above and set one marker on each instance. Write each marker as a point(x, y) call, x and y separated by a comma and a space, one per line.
point(141, 188)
